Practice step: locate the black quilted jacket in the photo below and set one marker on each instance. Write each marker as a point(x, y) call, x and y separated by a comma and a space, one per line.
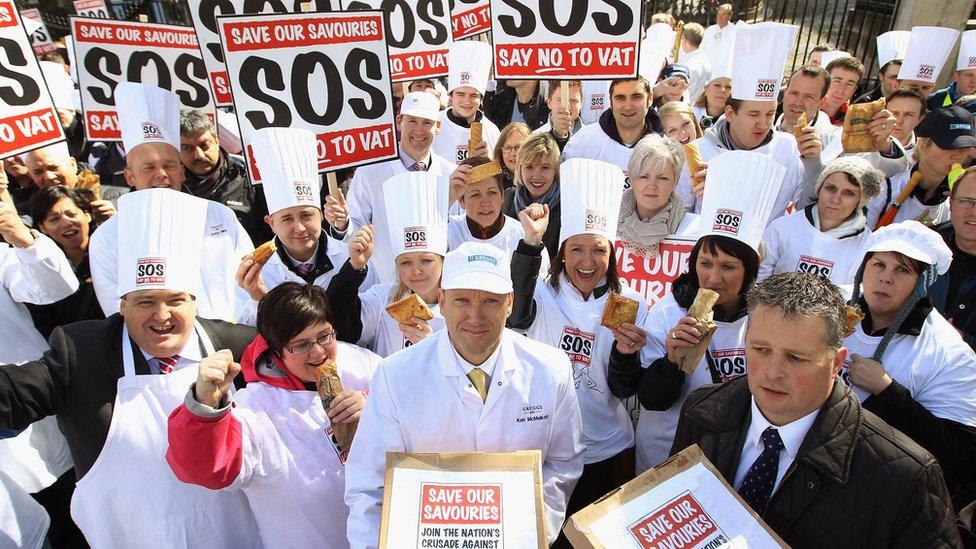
point(856, 483)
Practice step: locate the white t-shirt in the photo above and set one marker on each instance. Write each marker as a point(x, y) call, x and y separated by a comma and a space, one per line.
point(794, 244)
point(452, 141)
point(381, 333)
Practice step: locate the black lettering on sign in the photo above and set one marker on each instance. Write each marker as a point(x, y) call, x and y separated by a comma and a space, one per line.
point(552, 13)
point(400, 10)
point(29, 92)
point(254, 71)
point(147, 66)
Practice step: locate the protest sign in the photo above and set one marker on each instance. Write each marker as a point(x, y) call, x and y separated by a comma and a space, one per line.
point(204, 14)
point(585, 39)
point(418, 32)
point(109, 52)
point(28, 119)
point(683, 502)
point(470, 17)
point(652, 277)
point(92, 8)
point(325, 72)
point(491, 500)
point(40, 38)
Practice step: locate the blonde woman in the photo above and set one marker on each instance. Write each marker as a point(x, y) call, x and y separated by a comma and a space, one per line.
point(680, 122)
point(710, 105)
point(537, 182)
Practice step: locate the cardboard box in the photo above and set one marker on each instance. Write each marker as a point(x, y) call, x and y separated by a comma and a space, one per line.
point(459, 500)
point(684, 502)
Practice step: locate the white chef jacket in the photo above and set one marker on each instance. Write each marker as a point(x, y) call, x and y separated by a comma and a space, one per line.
point(381, 333)
point(937, 367)
point(592, 142)
point(700, 68)
point(291, 471)
point(367, 205)
point(225, 243)
point(452, 141)
point(39, 274)
point(782, 147)
point(718, 39)
point(596, 99)
point(655, 429)
point(531, 405)
point(567, 321)
point(794, 244)
point(23, 522)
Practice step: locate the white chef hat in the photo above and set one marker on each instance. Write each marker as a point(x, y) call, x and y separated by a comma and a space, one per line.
point(287, 160)
point(914, 240)
point(967, 51)
point(827, 57)
point(759, 54)
point(163, 234)
point(59, 84)
point(416, 213)
point(654, 50)
point(590, 193)
point(421, 104)
point(229, 132)
point(147, 114)
point(468, 64)
point(892, 46)
point(740, 191)
point(721, 59)
point(926, 53)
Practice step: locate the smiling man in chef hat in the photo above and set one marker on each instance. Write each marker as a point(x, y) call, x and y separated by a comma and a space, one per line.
point(149, 118)
point(112, 383)
point(757, 70)
point(474, 378)
point(288, 163)
point(468, 65)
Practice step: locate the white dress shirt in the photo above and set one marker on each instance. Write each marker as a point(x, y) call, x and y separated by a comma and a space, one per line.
point(190, 356)
point(792, 435)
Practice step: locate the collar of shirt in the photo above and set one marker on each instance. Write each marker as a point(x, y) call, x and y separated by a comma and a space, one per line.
point(295, 262)
point(792, 433)
point(488, 365)
point(408, 162)
point(190, 354)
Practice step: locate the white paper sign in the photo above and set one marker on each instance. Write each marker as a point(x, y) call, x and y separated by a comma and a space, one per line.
point(419, 34)
point(109, 52)
point(494, 509)
point(536, 39)
point(325, 72)
point(690, 510)
point(28, 119)
point(40, 38)
point(204, 14)
point(470, 17)
point(92, 8)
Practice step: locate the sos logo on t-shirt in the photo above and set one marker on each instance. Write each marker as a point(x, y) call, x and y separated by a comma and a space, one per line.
point(730, 363)
point(151, 270)
point(414, 237)
point(462, 153)
point(577, 344)
point(815, 265)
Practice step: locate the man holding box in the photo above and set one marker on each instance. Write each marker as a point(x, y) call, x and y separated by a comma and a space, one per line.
point(487, 388)
point(796, 444)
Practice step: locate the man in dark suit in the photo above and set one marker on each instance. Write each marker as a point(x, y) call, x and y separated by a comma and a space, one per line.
point(796, 443)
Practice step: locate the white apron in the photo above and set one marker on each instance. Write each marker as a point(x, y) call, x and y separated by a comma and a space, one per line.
point(131, 498)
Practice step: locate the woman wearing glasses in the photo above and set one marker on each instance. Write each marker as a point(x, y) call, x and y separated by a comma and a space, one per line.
point(275, 442)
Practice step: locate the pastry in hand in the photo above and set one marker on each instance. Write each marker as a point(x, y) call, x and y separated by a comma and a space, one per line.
point(701, 311)
point(411, 306)
point(619, 310)
point(801, 123)
point(263, 253)
point(90, 181)
point(475, 137)
point(856, 137)
point(694, 158)
point(329, 386)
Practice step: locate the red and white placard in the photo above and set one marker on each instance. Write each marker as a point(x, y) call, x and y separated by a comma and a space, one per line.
point(109, 52)
point(583, 39)
point(470, 17)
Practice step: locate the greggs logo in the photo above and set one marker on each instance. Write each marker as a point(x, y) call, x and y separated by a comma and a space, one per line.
point(483, 257)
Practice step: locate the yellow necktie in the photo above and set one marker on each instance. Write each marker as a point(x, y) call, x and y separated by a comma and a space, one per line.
point(479, 378)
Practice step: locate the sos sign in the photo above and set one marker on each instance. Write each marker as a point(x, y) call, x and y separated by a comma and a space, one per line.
point(419, 33)
point(91, 8)
point(110, 52)
point(204, 14)
point(325, 72)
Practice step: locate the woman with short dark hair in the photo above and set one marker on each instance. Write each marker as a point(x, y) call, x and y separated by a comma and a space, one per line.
point(277, 443)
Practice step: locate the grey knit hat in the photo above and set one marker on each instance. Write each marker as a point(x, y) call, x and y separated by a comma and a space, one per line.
point(866, 176)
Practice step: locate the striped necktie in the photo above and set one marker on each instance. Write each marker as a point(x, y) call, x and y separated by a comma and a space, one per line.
point(418, 167)
point(167, 364)
point(304, 269)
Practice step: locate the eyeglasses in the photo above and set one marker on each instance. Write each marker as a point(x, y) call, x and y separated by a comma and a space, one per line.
point(511, 148)
point(305, 347)
point(964, 203)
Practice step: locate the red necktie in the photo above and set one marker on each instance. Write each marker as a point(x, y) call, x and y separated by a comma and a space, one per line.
point(167, 364)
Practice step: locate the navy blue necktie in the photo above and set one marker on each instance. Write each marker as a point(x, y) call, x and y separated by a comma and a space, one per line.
point(758, 483)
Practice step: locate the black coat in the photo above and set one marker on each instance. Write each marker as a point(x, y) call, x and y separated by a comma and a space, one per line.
point(77, 381)
point(498, 106)
point(856, 482)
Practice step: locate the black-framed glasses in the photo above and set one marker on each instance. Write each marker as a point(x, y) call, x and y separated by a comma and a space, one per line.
point(305, 347)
